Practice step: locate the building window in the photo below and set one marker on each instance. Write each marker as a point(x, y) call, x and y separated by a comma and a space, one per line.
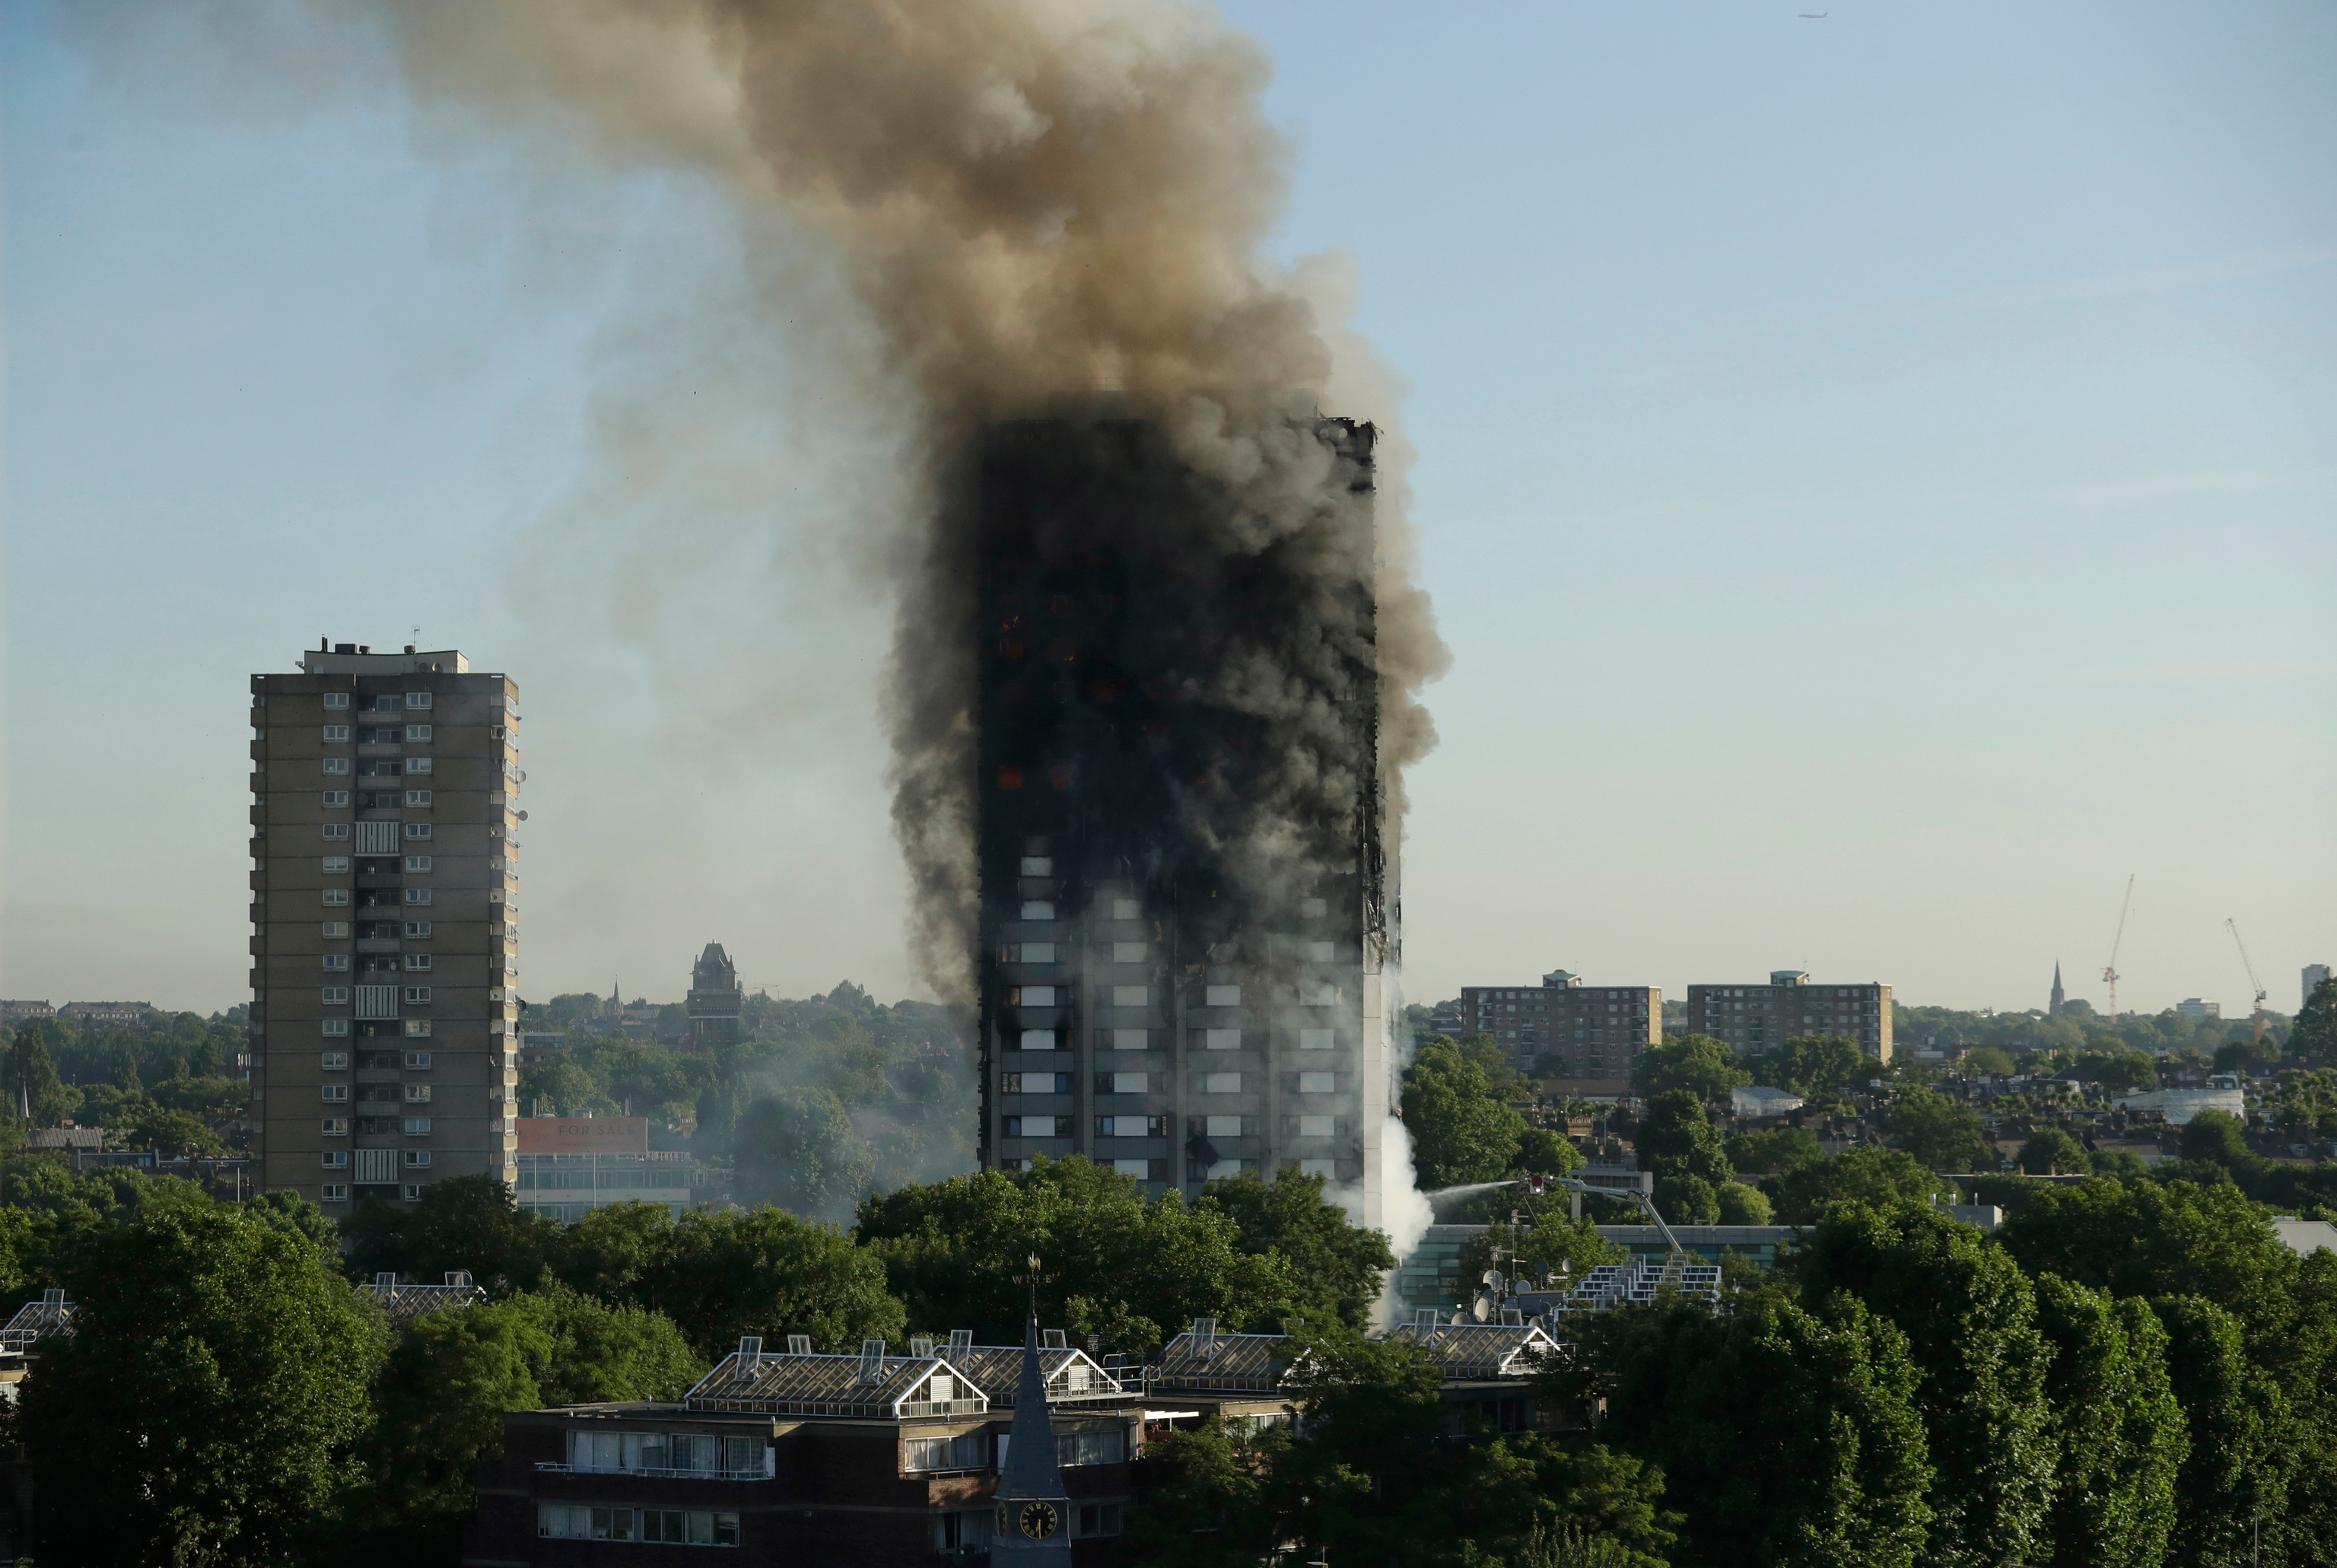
point(417, 829)
point(337, 961)
point(1131, 1039)
point(1222, 996)
point(419, 930)
point(1318, 1083)
point(1037, 1127)
point(417, 1094)
point(418, 1126)
point(337, 1126)
point(418, 1061)
point(334, 1062)
point(1031, 995)
point(418, 765)
point(1316, 952)
point(416, 961)
point(418, 796)
point(418, 995)
point(419, 865)
point(1220, 1083)
point(1311, 996)
point(417, 699)
point(417, 894)
point(417, 1159)
point(969, 1452)
point(1027, 953)
point(336, 997)
point(335, 1158)
point(1120, 1082)
point(1131, 996)
point(336, 764)
point(1317, 1126)
point(336, 830)
point(1037, 910)
point(1131, 1126)
point(336, 929)
point(1091, 1446)
point(1220, 1126)
point(419, 1029)
point(1128, 952)
point(334, 1093)
point(1313, 908)
point(1316, 1039)
point(1038, 1039)
point(337, 865)
point(417, 733)
point(336, 798)
point(334, 1193)
point(1220, 1039)
point(1035, 1083)
point(336, 734)
point(337, 699)
point(333, 1028)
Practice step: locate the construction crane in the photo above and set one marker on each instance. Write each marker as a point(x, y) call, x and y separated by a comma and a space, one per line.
point(2251, 969)
point(2109, 970)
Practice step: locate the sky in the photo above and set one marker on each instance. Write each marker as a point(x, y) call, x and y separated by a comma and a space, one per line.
point(1875, 477)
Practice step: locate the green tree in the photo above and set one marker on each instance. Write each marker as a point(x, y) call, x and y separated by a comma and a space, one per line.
point(471, 1222)
point(2217, 1136)
point(29, 1077)
point(2119, 1070)
point(1546, 1239)
point(1940, 1132)
point(1741, 1204)
point(1878, 1176)
point(2155, 1239)
point(1375, 1478)
point(1462, 1131)
point(1697, 1063)
point(1336, 1265)
point(720, 1276)
point(1678, 1142)
point(1970, 1319)
point(1777, 1149)
point(450, 1379)
point(2050, 1151)
point(205, 1407)
point(1541, 1152)
point(1788, 1438)
point(1812, 1064)
point(1129, 1272)
point(153, 1127)
point(796, 1147)
point(1988, 1062)
point(2312, 1041)
point(2116, 1424)
point(2238, 1425)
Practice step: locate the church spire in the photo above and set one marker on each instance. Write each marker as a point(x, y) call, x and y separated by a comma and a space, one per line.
point(2055, 1010)
point(1032, 1523)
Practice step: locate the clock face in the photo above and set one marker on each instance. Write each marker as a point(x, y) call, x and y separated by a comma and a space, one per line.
point(1039, 1519)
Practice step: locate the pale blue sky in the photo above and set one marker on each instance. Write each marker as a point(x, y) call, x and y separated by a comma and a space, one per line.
point(1875, 476)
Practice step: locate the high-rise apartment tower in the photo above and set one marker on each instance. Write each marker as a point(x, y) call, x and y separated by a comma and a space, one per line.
point(1760, 1018)
point(385, 946)
point(1182, 952)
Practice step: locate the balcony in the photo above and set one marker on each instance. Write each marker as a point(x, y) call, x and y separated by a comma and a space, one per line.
point(560, 1467)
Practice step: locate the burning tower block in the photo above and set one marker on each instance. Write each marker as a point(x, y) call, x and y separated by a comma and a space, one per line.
point(1186, 898)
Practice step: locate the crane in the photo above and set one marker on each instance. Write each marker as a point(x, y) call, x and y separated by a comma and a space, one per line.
point(2251, 969)
point(2109, 970)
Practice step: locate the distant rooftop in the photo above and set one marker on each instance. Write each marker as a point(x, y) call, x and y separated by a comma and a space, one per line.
point(359, 659)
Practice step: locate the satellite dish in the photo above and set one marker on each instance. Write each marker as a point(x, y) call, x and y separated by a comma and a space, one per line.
point(523, 816)
point(1482, 1311)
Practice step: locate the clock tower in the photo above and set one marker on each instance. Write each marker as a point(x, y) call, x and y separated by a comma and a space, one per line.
point(1033, 1519)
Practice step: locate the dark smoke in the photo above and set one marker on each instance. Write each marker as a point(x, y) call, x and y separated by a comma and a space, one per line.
point(1025, 199)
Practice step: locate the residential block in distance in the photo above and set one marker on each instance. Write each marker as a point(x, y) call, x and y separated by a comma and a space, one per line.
point(1755, 1017)
point(384, 939)
point(1596, 1031)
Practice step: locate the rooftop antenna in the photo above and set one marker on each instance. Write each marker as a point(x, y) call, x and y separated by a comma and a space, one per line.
point(2109, 970)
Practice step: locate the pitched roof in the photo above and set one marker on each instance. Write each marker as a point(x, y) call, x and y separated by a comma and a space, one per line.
point(878, 1385)
point(1479, 1350)
point(1236, 1363)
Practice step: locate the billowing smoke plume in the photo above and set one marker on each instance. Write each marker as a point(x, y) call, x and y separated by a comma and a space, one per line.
point(1029, 199)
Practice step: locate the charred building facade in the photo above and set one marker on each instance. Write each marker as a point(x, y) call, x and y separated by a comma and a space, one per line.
point(1186, 918)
